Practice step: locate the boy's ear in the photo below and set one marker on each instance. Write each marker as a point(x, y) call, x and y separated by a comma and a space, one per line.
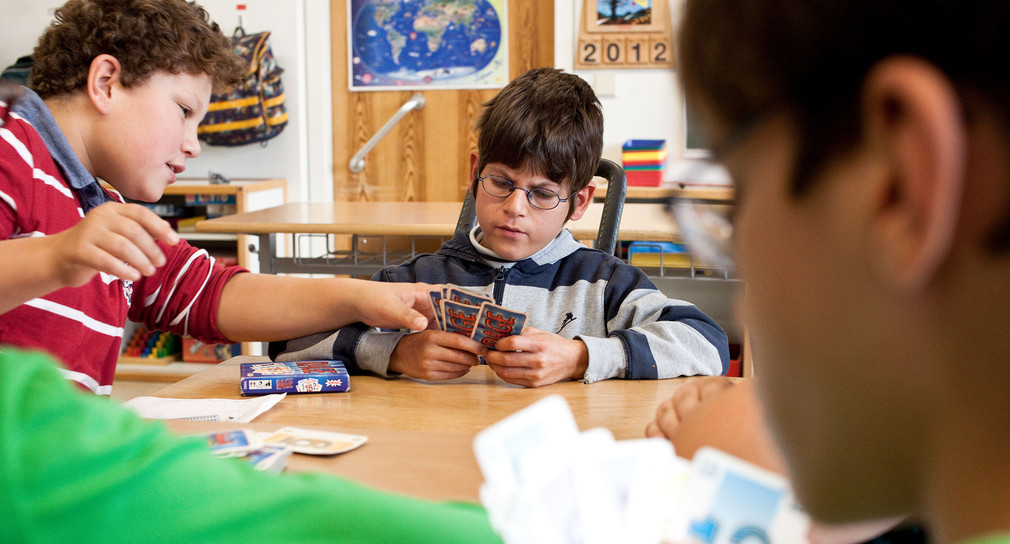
point(103, 76)
point(582, 200)
point(913, 112)
point(474, 163)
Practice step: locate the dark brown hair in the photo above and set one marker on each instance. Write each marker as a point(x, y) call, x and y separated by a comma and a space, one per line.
point(809, 58)
point(547, 121)
point(145, 36)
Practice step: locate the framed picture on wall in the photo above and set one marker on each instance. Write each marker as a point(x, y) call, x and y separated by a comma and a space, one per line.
point(427, 44)
point(624, 35)
point(623, 15)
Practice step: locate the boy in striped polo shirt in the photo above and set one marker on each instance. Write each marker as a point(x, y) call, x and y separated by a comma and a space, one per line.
point(116, 94)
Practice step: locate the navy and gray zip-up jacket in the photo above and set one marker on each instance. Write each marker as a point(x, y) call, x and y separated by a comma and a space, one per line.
point(630, 328)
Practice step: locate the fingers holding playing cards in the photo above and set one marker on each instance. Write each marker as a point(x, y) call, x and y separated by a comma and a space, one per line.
point(518, 354)
point(537, 358)
point(435, 355)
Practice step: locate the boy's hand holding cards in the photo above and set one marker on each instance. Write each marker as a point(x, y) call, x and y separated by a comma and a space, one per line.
point(546, 482)
point(475, 316)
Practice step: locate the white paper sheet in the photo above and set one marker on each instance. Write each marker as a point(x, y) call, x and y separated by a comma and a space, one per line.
point(238, 411)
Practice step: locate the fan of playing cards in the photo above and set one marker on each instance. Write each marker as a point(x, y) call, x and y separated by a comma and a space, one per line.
point(475, 316)
point(545, 482)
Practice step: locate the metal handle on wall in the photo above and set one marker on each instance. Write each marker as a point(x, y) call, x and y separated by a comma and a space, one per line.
point(357, 163)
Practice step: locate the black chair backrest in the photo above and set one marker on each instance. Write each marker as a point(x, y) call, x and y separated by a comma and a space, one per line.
point(610, 219)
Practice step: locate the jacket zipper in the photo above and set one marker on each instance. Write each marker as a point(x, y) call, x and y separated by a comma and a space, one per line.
point(499, 284)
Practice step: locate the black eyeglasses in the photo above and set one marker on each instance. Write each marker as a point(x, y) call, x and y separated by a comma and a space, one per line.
point(539, 197)
point(708, 227)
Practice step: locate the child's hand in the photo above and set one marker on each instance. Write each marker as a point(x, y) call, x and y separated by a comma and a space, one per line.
point(671, 412)
point(394, 305)
point(435, 355)
point(118, 239)
point(537, 358)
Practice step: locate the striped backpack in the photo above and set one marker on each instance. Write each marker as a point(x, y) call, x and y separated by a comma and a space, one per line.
point(253, 110)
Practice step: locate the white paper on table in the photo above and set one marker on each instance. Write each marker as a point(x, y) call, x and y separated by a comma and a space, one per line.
point(238, 411)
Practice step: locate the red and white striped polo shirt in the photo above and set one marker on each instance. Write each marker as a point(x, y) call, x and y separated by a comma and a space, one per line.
point(83, 326)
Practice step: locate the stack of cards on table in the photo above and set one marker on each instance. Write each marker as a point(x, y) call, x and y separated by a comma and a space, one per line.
point(475, 316)
point(269, 451)
point(247, 445)
point(544, 481)
point(325, 376)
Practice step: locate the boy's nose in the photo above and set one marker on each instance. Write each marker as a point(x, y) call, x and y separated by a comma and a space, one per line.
point(517, 201)
point(191, 144)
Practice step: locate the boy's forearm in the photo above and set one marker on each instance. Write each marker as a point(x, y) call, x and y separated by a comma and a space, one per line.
point(263, 307)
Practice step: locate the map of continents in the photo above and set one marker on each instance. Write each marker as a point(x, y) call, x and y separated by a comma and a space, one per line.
point(425, 43)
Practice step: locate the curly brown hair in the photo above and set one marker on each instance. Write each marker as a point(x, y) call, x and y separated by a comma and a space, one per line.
point(145, 36)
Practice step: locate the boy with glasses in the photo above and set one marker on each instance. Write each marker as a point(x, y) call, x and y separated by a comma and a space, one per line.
point(590, 315)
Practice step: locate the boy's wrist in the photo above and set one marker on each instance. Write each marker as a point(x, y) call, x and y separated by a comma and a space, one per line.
point(582, 361)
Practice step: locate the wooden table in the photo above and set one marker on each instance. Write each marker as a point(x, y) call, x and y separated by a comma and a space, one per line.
point(666, 190)
point(421, 433)
point(649, 222)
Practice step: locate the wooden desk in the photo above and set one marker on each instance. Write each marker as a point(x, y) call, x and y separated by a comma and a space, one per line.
point(649, 222)
point(666, 190)
point(421, 433)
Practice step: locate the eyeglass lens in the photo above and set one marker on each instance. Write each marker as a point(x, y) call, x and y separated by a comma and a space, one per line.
point(539, 197)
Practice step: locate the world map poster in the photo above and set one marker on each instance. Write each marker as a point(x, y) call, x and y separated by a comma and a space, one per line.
point(427, 44)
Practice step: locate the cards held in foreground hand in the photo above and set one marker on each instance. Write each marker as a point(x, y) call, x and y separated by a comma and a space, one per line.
point(324, 376)
point(547, 482)
point(475, 316)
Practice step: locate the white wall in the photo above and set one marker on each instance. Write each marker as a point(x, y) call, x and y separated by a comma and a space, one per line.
point(300, 43)
point(637, 104)
point(23, 24)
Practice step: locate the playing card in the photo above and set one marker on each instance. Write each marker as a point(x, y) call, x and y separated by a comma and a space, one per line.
point(459, 318)
point(436, 304)
point(500, 448)
point(574, 492)
point(729, 500)
point(495, 322)
point(654, 485)
point(314, 442)
point(268, 457)
point(231, 443)
point(465, 297)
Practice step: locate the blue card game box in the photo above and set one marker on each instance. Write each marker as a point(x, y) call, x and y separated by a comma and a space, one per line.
point(323, 376)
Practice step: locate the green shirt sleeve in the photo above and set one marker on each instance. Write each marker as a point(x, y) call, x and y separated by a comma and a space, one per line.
point(990, 539)
point(77, 468)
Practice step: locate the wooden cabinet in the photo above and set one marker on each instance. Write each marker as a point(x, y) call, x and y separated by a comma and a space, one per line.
point(184, 203)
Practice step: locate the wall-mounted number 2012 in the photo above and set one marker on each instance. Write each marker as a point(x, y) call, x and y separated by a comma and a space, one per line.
point(625, 52)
